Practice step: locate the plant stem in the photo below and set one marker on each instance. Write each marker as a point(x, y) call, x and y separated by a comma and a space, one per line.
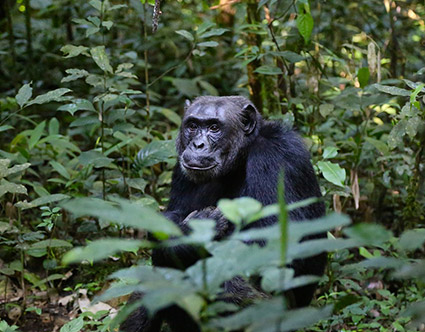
point(145, 37)
point(11, 37)
point(29, 37)
point(283, 219)
point(102, 105)
point(253, 40)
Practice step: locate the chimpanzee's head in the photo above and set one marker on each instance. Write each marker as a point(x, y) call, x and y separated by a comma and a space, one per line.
point(215, 134)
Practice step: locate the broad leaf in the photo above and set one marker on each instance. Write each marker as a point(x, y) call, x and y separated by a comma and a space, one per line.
point(363, 76)
point(101, 249)
point(52, 243)
point(269, 70)
point(77, 105)
point(41, 201)
point(55, 95)
point(125, 213)
point(392, 90)
point(24, 94)
point(101, 58)
point(213, 32)
point(185, 34)
point(155, 152)
point(332, 172)
point(305, 25)
point(72, 51)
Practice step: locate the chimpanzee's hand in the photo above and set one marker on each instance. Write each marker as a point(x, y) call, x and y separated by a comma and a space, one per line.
point(223, 227)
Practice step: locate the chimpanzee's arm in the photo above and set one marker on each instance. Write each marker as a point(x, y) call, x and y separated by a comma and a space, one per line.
point(183, 194)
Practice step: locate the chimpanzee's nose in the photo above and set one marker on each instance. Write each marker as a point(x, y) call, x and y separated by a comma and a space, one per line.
point(198, 145)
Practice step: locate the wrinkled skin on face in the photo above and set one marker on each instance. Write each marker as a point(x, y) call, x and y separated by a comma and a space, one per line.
point(213, 135)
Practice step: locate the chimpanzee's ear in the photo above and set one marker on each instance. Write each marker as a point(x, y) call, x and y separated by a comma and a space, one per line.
point(187, 103)
point(249, 118)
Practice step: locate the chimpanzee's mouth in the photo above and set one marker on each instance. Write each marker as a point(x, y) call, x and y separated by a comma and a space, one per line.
point(199, 167)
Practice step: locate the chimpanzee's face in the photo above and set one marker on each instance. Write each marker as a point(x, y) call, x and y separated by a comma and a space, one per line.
point(211, 136)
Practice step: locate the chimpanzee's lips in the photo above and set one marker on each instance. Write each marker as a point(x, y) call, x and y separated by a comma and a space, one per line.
point(199, 167)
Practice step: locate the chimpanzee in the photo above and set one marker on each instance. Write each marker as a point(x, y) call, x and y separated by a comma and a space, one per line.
point(226, 150)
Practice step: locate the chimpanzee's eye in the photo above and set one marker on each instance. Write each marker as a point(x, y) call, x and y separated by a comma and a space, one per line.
point(192, 126)
point(214, 128)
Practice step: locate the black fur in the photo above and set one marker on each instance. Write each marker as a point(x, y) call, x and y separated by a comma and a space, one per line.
point(258, 150)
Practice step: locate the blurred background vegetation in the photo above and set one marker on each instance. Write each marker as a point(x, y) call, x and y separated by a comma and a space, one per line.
point(91, 96)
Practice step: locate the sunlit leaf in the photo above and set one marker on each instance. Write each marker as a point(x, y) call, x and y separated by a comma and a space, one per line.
point(24, 94)
point(185, 34)
point(332, 172)
point(123, 212)
point(55, 95)
point(41, 201)
point(363, 76)
point(99, 56)
point(72, 51)
point(268, 70)
point(305, 25)
point(101, 249)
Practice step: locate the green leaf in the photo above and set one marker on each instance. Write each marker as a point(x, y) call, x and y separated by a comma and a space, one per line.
point(6, 171)
point(108, 24)
point(55, 95)
point(139, 183)
point(97, 4)
point(412, 239)
point(101, 249)
point(269, 70)
point(204, 27)
point(305, 25)
point(365, 253)
point(60, 169)
point(41, 201)
point(170, 115)
point(91, 31)
point(155, 152)
point(332, 172)
point(94, 20)
point(211, 90)
point(330, 152)
point(186, 87)
point(74, 325)
point(51, 243)
point(412, 126)
point(186, 34)
point(24, 94)
point(10, 187)
point(123, 212)
point(239, 209)
point(53, 126)
point(100, 57)
point(326, 109)
point(363, 76)
point(71, 51)
point(74, 74)
point(395, 138)
point(36, 135)
point(77, 105)
point(392, 90)
point(213, 32)
point(115, 7)
point(5, 127)
point(288, 55)
point(94, 158)
point(380, 145)
point(415, 93)
point(208, 44)
point(368, 234)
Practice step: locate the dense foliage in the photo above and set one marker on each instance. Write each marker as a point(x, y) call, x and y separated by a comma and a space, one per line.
point(91, 95)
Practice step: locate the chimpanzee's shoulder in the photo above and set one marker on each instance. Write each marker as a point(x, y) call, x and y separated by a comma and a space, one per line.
point(280, 140)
